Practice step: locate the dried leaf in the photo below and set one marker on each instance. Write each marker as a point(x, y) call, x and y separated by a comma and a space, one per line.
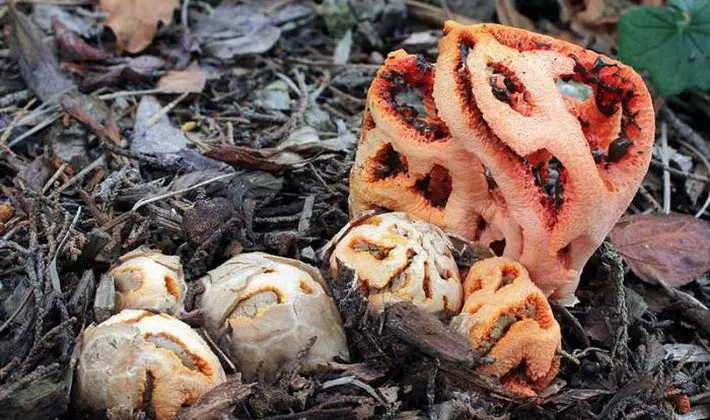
point(159, 137)
point(92, 112)
point(595, 324)
point(264, 159)
point(598, 13)
point(36, 173)
point(75, 45)
point(509, 15)
point(132, 69)
point(306, 139)
point(134, 22)
point(190, 80)
point(273, 96)
point(672, 247)
point(84, 26)
point(38, 65)
point(237, 29)
point(205, 218)
point(480, 10)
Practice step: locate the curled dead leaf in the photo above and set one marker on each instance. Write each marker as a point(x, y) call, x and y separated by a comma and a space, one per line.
point(75, 45)
point(190, 80)
point(37, 63)
point(267, 159)
point(134, 22)
point(93, 112)
point(594, 15)
point(671, 247)
point(301, 147)
point(509, 15)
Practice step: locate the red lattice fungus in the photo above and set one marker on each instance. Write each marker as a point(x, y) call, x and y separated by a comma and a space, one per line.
point(498, 154)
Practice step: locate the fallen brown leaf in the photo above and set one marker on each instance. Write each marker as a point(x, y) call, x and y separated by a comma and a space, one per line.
point(153, 132)
point(134, 22)
point(190, 80)
point(132, 69)
point(596, 14)
point(75, 45)
point(509, 15)
point(92, 112)
point(38, 65)
point(671, 247)
point(202, 221)
point(266, 159)
point(301, 147)
point(434, 15)
point(236, 29)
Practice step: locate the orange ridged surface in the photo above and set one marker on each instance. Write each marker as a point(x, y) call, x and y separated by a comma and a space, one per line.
point(497, 151)
point(507, 317)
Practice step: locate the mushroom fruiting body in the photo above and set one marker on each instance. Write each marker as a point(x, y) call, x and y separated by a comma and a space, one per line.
point(507, 317)
point(498, 154)
point(269, 309)
point(139, 359)
point(399, 258)
point(147, 279)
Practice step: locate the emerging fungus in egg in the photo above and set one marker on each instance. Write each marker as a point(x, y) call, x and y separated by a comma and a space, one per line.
point(139, 359)
point(269, 309)
point(498, 153)
point(507, 317)
point(396, 258)
point(147, 279)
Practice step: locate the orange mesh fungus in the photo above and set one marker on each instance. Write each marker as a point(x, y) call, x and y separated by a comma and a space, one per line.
point(507, 317)
point(489, 144)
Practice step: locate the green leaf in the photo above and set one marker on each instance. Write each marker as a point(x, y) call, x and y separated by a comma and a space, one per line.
point(672, 43)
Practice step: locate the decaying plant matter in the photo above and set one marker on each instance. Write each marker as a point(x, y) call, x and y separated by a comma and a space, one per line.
point(138, 359)
point(400, 258)
point(147, 279)
point(507, 317)
point(497, 153)
point(272, 311)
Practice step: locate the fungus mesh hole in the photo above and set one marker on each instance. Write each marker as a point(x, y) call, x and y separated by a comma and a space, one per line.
point(498, 247)
point(435, 186)
point(574, 90)
point(409, 83)
point(549, 175)
point(494, 192)
point(367, 123)
point(507, 87)
point(481, 226)
point(564, 255)
point(412, 97)
point(387, 163)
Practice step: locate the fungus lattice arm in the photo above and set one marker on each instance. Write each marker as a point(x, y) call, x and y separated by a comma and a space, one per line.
point(507, 317)
point(498, 153)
